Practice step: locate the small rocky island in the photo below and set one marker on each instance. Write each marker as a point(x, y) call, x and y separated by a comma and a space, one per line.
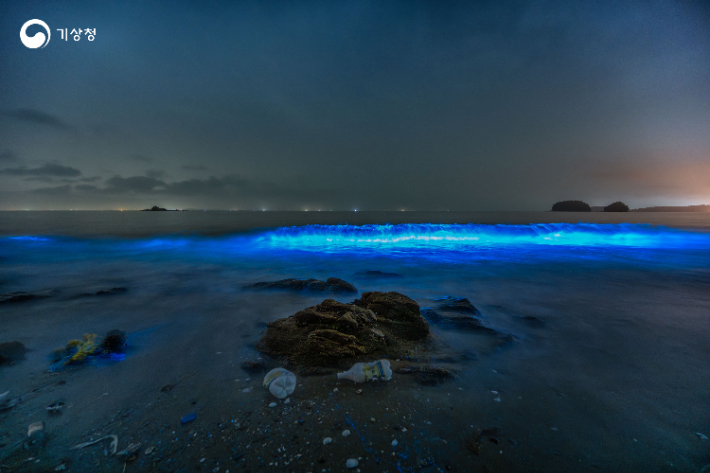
point(571, 206)
point(155, 208)
point(616, 207)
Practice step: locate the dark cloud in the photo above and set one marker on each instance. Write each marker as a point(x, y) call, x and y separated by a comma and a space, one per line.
point(156, 173)
point(49, 169)
point(37, 117)
point(190, 167)
point(136, 184)
point(55, 191)
point(8, 156)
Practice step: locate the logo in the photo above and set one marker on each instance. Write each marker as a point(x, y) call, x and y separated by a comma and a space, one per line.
point(39, 40)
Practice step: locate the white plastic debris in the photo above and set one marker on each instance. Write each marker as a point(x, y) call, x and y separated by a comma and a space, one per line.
point(351, 463)
point(280, 382)
point(361, 372)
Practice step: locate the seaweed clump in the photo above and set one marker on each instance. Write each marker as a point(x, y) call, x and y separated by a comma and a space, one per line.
point(90, 346)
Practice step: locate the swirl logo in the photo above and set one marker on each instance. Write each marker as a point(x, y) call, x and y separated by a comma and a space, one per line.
point(39, 40)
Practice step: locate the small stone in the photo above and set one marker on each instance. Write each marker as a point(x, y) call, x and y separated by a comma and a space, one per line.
point(372, 419)
point(246, 390)
point(287, 401)
point(359, 391)
point(335, 390)
point(273, 404)
point(327, 440)
point(149, 450)
point(394, 442)
point(346, 433)
point(351, 463)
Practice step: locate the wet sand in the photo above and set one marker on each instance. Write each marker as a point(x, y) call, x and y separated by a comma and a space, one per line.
point(614, 388)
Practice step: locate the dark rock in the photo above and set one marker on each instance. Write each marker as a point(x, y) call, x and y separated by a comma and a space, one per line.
point(11, 352)
point(458, 320)
point(334, 285)
point(103, 292)
point(429, 376)
point(377, 275)
point(616, 207)
point(335, 334)
point(115, 342)
point(14, 297)
point(571, 206)
point(459, 305)
point(532, 321)
point(252, 367)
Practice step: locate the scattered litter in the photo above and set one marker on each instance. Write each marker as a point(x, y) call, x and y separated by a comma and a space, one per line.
point(55, 408)
point(280, 382)
point(701, 436)
point(346, 433)
point(113, 445)
point(359, 391)
point(361, 372)
point(149, 450)
point(6, 403)
point(131, 452)
point(327, 440)
point(394, 442)
point(335, 390)
point(188, 418)
point(351, 463)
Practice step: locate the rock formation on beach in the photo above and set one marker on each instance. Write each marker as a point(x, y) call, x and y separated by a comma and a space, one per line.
point(334, 334)
point(571, 206)
point(333, 285)
point(616, 207)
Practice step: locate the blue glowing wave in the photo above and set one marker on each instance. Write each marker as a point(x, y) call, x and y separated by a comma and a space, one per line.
point(473, 236)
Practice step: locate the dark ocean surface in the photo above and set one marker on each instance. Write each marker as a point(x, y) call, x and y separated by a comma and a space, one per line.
point(610, 316)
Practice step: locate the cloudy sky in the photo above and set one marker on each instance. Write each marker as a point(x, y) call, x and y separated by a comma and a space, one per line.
point(361, 104)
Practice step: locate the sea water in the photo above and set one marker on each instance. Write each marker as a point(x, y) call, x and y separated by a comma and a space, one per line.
point(610, 319)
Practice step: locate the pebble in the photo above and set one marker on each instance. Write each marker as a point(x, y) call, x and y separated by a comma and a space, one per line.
point(359, 391)
point(327, 440)
point(287, 401)
point(394, 442)
point(246, 390)
point(346, 433)
point(351, 463)
point(335, 390)
point(273, 404)
point(372, 419)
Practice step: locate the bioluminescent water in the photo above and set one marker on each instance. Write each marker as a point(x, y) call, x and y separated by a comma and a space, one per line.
point(406, 239)
point(608, 323)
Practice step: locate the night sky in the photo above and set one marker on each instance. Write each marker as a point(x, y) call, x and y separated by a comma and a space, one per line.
point(355, 105)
